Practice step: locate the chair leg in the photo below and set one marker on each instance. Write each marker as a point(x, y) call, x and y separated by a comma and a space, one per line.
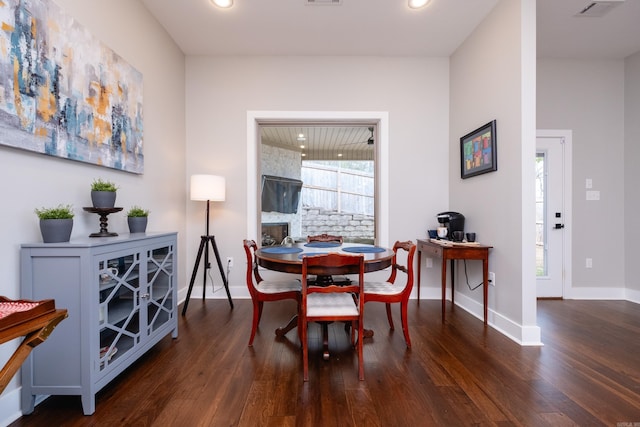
point(353, 333)
point(305, 350)
point(405, 323)
point(389, 317)
point(299, 328)
point(261, 305)
point(256, 319)
point(360, 351)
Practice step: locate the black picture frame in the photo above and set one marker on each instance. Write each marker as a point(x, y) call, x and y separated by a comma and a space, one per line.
point(479, 151)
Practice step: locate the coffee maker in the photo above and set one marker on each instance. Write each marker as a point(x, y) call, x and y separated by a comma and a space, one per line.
point(454, 221)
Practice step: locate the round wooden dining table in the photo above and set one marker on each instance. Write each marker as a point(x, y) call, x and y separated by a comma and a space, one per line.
point(288, 259)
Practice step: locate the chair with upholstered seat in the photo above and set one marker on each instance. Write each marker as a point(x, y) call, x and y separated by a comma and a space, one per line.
point(391, 291)
point(265, 290)
point(332, 303)
point(324, 238)
point(328, 240)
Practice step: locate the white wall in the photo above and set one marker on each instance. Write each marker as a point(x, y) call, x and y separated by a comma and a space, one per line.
point(220, 91)
point(493, 77)
point(33, 180)
point(632, 174)
point(587, 97)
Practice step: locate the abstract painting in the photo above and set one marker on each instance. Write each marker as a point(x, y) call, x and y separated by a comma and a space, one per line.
point(479, 151)
point(63, 92)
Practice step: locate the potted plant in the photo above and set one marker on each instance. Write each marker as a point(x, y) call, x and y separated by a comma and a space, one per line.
point(103, 193)
point(56, 223)
point(137, 219)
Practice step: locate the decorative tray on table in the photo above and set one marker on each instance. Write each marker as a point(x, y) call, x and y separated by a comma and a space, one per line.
point(13, 312)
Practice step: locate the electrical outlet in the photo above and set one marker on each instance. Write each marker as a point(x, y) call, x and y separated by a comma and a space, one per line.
point(492, 278)
point(588, 263)
point(429, 262)
point(230, 262)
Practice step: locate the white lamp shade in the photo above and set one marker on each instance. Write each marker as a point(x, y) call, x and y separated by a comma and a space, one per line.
point(208, 187)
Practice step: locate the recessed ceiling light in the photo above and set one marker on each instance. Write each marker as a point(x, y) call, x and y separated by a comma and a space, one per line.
point(302, 146)
point(223, 3)
point(417, 4)
point(339, 154)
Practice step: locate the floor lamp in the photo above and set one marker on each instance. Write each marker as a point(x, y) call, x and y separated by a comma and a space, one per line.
point(209, 188)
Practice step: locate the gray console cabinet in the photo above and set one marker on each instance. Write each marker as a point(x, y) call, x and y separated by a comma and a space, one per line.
point(121, 295)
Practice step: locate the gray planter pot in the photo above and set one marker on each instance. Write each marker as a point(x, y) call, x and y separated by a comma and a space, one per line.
point(56, 230)
point(103, 199)
point(137, 224)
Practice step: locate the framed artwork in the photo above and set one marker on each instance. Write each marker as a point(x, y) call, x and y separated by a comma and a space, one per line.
point(478, 151)
point(64, 93)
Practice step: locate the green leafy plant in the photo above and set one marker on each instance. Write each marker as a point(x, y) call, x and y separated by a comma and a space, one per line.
point(137, 211)
point(101, 185)
point(59, 212)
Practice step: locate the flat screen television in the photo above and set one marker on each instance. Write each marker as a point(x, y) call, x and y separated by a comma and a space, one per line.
point(280, 194)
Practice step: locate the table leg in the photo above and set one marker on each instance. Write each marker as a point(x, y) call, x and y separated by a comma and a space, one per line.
point(485, 285)
point(325, 340)
point(280, 332)
point(419, 268)
point(366, 333)
point(444, 286)
point(453, 281)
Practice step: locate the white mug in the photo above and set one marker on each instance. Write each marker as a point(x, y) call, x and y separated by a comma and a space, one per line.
point(113, 272)
point(442, 232)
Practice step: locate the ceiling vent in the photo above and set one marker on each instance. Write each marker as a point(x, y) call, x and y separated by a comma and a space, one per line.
point(318, 2)
point(597, 9)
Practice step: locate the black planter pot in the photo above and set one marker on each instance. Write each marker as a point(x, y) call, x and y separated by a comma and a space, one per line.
point(56, 230)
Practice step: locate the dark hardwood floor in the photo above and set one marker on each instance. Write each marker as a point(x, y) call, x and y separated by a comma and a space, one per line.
point(459, 373)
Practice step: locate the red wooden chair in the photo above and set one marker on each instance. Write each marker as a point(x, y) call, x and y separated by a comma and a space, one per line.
point(324, 238)
point(332, 303)
point(391, 292)
point(264, 290)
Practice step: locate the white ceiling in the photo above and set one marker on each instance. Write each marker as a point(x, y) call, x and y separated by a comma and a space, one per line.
point(563, 35)
point(379, 28)
point(384, 27)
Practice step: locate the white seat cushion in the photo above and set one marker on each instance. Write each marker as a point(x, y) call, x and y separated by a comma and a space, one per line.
point(382, 288)
point(331, 305)
point(274, 287)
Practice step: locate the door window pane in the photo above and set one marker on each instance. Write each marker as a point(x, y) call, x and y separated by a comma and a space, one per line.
point(541, 202)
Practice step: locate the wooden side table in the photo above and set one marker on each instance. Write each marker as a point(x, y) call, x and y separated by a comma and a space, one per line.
point(447, 250)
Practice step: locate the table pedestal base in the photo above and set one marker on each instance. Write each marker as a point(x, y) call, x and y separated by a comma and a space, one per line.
point(280, 332)
point(293, 323)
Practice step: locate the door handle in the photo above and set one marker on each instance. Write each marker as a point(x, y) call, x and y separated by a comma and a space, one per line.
point(558, 226)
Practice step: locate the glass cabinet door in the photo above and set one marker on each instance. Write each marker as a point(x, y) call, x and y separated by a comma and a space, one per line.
point(160, 280)
point(119, 307)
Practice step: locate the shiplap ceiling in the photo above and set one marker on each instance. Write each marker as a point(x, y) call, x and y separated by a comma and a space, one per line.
point(322, 142)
